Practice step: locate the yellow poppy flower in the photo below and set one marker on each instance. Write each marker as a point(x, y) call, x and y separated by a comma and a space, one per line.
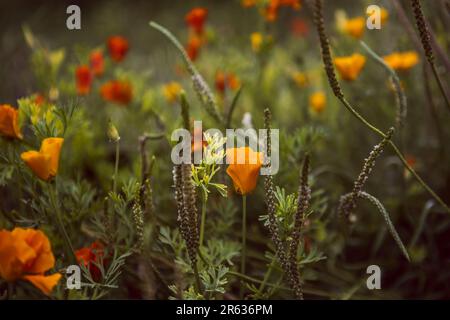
point(300, 79)
point(243, 169)
point(26, 254)
point(9, 122)
point(171, 91)
point(350, 67)
point(355, 27)
point(402, 61)
point(317, 101)
point(256, 39)
point(44, 163)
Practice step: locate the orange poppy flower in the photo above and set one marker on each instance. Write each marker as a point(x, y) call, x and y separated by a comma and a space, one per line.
point(196, 19)
point(243, 169)
point(224, 81)
point(233, 81)
point(402, 61)
point(97, 62)
point(26, 254)
point(117, 91)
point(317, 101)
point(9, 122)
point(193, 47)
point(172, 91)
point(301, 79)
point(220, 81)
point(299, 28)
point(271, 10)
point(45, 162)
point(350, 67)
point(90, 256)
point(248, 3)
point(83, 77)
point(355, 27)
point(118, 47)
point(39, 99)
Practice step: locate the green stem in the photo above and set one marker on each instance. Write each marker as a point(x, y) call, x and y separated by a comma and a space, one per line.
point(441, 85)
point(244, 239)
point(203, 220)
point(267, 275)
point(197, 278)
point(398, 153)
point(67, 244)
point(116, 167)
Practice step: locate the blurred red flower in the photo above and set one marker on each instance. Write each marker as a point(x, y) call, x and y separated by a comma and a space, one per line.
point(83, 77)
point(193, 47)
point(117, 91)
point(97, 62)
point(118, 47)
point(299, 28)
point(196, 18)
point(226, 80)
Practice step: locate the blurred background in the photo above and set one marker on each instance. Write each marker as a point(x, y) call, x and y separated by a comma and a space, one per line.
point(283, 76)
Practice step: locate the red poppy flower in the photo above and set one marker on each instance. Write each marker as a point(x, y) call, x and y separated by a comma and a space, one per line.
point(196, 19)
point(117, 91)
point(193, 47)
point(84, 79)
point(118, 47)
point(39, 99)
point(90, 256)
point(224, 81)
point(299, 28)
point(97, 62)
point(220, 81)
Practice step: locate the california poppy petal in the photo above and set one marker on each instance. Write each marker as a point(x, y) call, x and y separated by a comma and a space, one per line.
point(39, 163)
point(44, 283)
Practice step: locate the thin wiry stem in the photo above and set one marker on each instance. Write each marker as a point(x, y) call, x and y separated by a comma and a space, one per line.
point(200, 86)
point(336, 89)
point(401, 97)
point(425, 37)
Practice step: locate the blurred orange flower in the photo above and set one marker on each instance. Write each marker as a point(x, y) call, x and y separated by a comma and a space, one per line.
point(350, 67)
point(243, 169)
point(299, 28)
point(118, 47)
point(224, 80)
point(97, 62)
point(9, 122)
point(193, 46)
point(45, 162)
point(172, 91)
point(196, 19)
point(117, 91)
point(83, 77)
point(26, 254)
point(317, 101)
point(248, 3)
point(39, 99)
point(90, 256)
point(271, 10)
point(300, 79)
point(355, 27)
point(402, 61)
